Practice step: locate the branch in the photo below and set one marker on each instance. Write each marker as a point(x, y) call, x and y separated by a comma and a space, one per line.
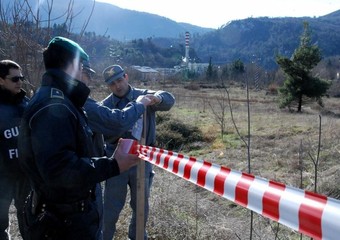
point(232, 117)
point(87, 20)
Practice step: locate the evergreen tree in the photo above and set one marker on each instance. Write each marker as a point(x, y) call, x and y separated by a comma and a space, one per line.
point(209, 72)
point(237, 69)
point(299, 82)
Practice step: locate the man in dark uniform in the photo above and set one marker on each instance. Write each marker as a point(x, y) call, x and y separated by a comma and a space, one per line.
point(56, 151)
point(13, 184)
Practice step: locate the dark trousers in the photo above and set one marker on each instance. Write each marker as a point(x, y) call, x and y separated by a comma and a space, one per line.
point(50, 221)
point(15, 189)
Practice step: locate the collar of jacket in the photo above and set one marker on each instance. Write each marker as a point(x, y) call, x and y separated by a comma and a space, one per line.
point(8, 97)
point(129, 96)
point(72, 88)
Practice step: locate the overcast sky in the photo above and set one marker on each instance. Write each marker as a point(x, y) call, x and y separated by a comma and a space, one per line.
point(215, 13)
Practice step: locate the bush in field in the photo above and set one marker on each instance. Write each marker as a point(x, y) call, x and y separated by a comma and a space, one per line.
point(173, 134)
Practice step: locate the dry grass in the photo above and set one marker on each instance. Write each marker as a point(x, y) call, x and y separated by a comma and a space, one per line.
point(181, 210)
point(275, 142)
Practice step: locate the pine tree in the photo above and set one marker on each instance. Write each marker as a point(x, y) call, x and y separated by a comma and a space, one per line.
point(237, 69)
point(209, 72)
point(299, 81)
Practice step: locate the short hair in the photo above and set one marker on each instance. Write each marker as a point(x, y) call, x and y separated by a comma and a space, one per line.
point(6, 65)
point(56, 56)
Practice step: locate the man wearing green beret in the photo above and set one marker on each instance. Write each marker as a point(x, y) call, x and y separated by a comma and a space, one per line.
point(56, 151)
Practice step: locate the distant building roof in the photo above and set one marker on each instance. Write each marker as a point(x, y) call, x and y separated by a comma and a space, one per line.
point(144, 69)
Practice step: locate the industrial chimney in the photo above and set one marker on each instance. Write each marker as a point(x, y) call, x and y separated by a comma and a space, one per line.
point(187, 38)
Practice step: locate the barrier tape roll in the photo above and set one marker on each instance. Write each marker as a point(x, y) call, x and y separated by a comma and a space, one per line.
point(312, 214)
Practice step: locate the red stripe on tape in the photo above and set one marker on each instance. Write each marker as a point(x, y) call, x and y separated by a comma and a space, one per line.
point(220, 179)
point(176, 163)
point(152, 153)
point(166, 160)
point(158, 157)
point(202, 173)
point(187, 168)
point(242, 187)
point(310, 214)
point(271, 200)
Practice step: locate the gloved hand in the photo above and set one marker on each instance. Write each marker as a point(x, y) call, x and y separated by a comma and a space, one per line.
point(124, 159)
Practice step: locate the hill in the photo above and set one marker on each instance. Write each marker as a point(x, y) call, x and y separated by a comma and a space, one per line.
point(147, 39)
point(261, 39)
point(123, 24)
point(110, 20)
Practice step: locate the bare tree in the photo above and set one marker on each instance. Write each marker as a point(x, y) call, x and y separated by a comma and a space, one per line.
point(246, 141)
point(315, 159)
point(220, 110)
point(24, 34)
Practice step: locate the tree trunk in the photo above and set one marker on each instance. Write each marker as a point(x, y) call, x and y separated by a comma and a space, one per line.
point(299, 103)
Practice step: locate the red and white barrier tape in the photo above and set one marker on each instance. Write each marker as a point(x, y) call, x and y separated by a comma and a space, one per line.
point(312, 214)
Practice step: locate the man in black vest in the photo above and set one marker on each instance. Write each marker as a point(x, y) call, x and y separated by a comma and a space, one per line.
point(56, 151)
point(13, 183)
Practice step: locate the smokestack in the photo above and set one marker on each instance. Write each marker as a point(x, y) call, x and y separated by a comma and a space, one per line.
point(187, 38)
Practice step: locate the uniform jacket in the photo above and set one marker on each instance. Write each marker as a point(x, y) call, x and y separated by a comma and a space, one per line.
point(56, 142)
point(112, 101)
point(11, 109)
point(110, 122)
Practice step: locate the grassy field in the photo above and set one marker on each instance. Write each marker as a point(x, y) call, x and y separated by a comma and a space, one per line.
point(282, 145)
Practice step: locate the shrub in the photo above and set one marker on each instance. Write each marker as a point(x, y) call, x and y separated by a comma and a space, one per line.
point(272, 89)
point(173, 134)
point(192, 86)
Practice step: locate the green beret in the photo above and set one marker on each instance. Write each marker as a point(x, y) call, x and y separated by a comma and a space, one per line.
point(69, 45)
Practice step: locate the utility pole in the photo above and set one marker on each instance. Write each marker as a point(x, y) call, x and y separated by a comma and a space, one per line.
point(141, 188)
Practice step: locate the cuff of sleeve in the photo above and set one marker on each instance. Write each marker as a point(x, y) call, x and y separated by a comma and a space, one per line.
point(115, 167)
point(160, 97)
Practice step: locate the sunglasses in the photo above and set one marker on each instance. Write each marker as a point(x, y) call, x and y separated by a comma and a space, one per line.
point(17, 78)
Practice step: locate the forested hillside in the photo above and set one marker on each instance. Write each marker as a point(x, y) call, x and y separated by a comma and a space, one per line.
point(112, 34)
point(261, 39)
